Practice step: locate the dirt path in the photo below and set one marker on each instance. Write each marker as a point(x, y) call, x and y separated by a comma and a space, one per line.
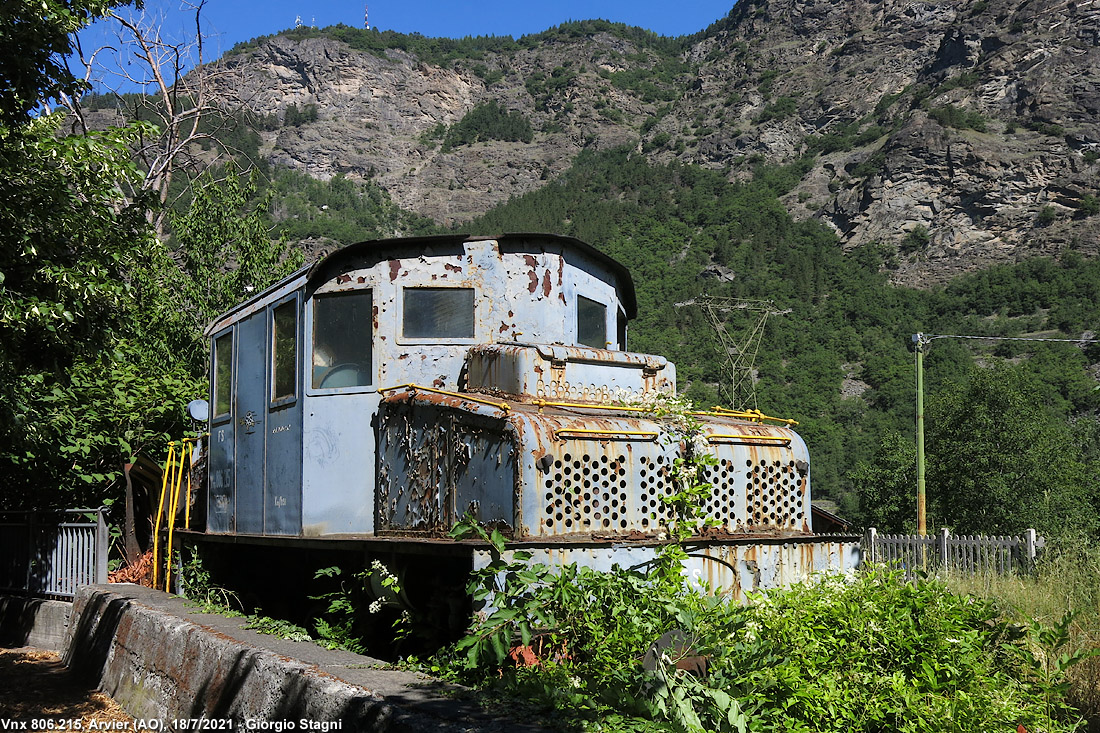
point(36, 686)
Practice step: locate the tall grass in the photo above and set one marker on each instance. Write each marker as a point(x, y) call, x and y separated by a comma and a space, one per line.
point(1066, 579)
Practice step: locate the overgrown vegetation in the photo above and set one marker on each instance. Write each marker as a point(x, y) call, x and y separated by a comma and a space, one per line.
point(1066, 581)
point(964, 119)
point(445, 51)
point(867, 652)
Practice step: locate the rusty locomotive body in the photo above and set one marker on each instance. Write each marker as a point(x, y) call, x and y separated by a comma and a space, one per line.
point(396, 386)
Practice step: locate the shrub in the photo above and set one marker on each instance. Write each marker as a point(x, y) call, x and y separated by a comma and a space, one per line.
point(488, 121)
point(917, 239)
point(952, 116)
point(842, 653)
point(1088, 205)
point(294, 117)
point(780, 109)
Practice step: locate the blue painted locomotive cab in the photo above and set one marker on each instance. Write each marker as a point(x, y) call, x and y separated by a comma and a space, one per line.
point(303, 460)
point(391, 388)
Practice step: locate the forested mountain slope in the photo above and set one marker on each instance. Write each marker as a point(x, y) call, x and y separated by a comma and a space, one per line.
point(960, 133)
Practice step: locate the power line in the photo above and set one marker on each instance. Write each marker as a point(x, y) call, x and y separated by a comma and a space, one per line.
point(926, 337)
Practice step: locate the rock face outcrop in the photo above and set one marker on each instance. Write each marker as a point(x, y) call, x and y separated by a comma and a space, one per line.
point(960, 133)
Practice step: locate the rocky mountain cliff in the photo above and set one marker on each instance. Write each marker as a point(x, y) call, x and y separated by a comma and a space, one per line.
point(960, 133)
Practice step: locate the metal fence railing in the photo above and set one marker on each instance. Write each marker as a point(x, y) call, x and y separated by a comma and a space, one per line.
point(51, 553)
point(959, 553)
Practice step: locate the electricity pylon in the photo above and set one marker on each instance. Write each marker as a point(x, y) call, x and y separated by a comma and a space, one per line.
point(738, 388)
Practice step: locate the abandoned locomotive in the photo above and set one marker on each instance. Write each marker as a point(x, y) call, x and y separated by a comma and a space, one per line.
point(380, 395)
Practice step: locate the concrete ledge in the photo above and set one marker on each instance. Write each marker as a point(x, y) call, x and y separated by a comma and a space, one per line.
point(33, 622)
point(161, 660)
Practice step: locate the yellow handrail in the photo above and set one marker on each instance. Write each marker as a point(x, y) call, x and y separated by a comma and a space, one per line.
point(160, 510)
point(589, 406)
point(170, 489)
point(461, 395)
point(754, 415)
point(715, 437)
point(650, 435)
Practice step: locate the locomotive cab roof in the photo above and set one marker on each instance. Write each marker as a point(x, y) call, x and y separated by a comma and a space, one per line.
point(314, 276)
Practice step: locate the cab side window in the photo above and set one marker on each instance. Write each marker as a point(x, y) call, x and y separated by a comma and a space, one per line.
point(591, 323)
point(438, 313)
point(223, 375)
point(342, 340)
point(284, 351)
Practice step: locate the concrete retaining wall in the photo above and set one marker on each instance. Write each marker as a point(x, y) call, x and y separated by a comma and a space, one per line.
point(161, 660)
point(33, 622)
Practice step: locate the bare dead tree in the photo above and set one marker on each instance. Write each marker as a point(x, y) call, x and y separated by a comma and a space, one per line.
point(179, 94)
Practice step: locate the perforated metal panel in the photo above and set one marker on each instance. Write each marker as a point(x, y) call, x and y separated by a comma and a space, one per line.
point(726, 503)
point(775, 495)
point(592, 487)
point(587, 492)
point(572, 391)
point(654, 485)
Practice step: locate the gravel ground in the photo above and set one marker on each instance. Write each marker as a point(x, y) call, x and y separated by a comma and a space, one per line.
point(36, 687)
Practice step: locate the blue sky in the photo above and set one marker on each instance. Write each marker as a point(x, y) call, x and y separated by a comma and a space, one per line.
point(230, 21)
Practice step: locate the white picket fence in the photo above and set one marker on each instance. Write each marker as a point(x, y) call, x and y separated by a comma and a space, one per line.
point(958, 553)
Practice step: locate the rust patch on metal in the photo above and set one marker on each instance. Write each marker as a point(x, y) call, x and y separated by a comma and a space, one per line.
point(395, 269)
point(452, 268)
point(531, 261)
point(403, 356)
point(562, 296)
point(561, 271)
point(534, 281)
point(341, 279)
point(361, 280)
point(438, 383)
point(503, 327)
point(374, 317)
point(435, 277)
point(546, 284)
point(511, 314)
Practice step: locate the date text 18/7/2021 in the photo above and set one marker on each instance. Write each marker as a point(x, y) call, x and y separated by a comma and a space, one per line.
point(198, 725)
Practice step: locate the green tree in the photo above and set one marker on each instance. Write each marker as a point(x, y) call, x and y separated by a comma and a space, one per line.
point(36, 36)
point(887, 485)
point(225, 245)
point(488, 121)
point(87, 324)
point(1000, 463)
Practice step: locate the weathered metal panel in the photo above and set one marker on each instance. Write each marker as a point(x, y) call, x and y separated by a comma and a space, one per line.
point(283, 450)
point(338, 463)
point(574, 373)
point(436, 465)
point(527, 296)
point(413, 466)
point(250, 415)
point(220, 514)
point(484, 474)
point(588, 471)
